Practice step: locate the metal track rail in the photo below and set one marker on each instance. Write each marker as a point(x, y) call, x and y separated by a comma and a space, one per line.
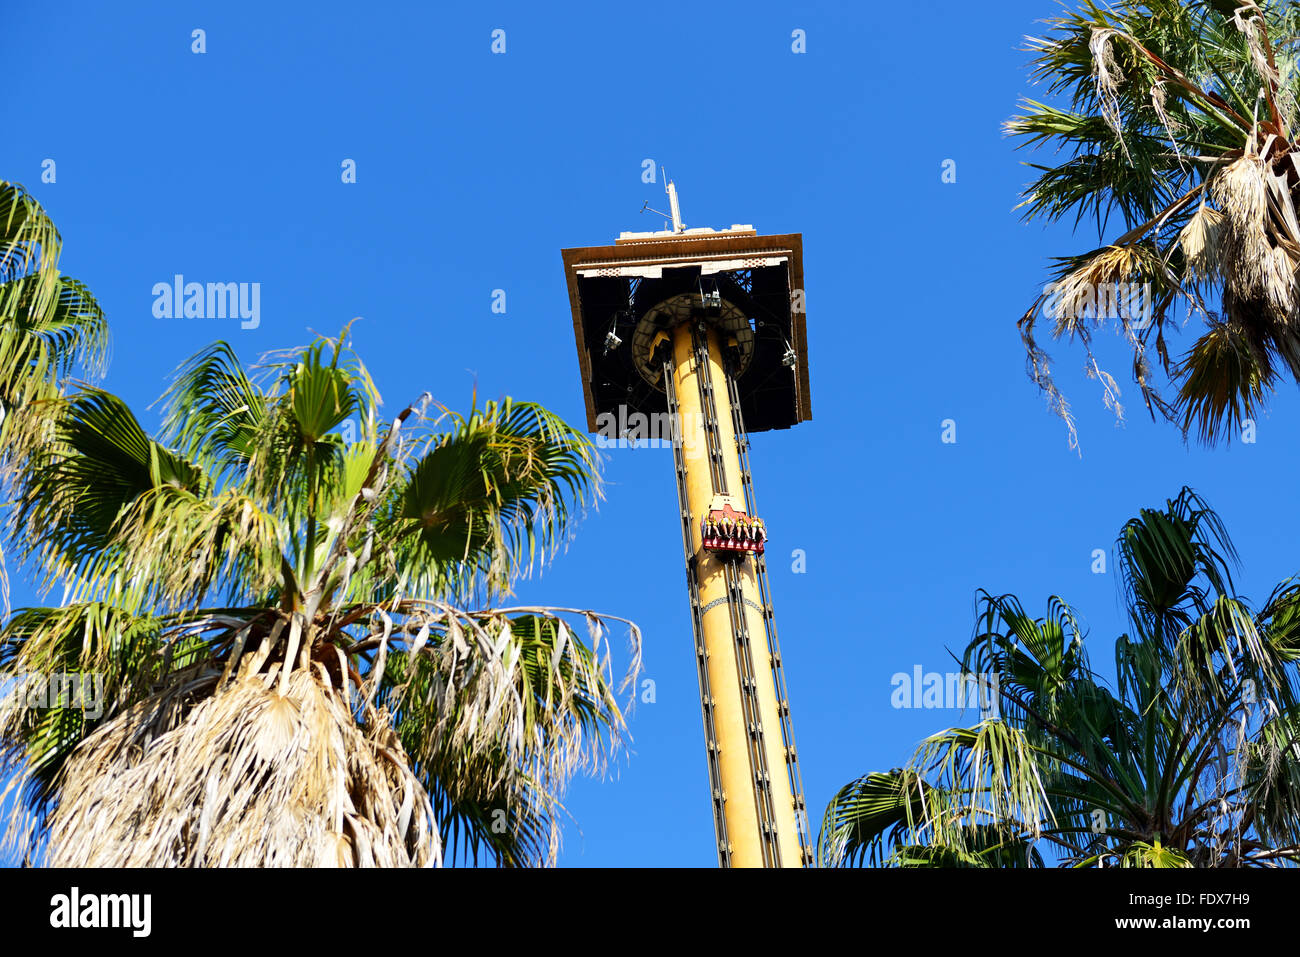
point(753, 717)
point(701, 654)
point(793, 773)
point(761, 774)
point(712, 434)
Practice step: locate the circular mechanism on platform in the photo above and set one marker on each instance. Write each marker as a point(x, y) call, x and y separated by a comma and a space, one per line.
point(731, 322)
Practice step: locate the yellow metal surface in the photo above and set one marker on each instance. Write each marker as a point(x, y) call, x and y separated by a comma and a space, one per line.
point(736, 768)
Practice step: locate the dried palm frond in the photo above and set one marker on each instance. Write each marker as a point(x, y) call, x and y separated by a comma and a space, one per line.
point(1076, 293)
point(247, 778)
point(1218, 83)
point(504, 707)
point(1199, 240)
point(1248, 263)
point(1090, 291)
point(1107, 77)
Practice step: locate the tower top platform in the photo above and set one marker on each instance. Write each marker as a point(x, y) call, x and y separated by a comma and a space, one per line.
point(632, 237)
point(747, 287)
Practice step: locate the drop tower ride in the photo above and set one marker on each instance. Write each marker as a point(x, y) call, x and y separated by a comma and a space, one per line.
point(705, 330)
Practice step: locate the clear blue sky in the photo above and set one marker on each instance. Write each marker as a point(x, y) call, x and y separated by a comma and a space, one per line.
point(475, 169)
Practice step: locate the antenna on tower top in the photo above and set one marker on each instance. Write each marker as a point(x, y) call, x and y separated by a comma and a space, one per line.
point(674, 205)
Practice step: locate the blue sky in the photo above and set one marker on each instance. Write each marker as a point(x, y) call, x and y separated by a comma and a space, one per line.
point(475, 169)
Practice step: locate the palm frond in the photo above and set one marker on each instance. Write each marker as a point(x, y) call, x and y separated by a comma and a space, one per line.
point(1160, 109)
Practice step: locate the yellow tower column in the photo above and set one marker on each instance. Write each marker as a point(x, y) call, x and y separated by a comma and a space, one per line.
point(743, 743)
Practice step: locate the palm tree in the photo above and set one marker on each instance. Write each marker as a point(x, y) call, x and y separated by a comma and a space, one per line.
point(49, 324)
point(272, 593)
point(1192, 759)
point(1177, 119)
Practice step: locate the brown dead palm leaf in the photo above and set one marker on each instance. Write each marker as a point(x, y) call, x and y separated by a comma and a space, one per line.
point(249, 777)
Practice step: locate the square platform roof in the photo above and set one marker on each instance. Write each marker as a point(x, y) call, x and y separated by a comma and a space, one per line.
point(604, 272)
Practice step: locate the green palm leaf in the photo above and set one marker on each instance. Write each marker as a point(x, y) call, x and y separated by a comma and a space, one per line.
point(1192, 760)
point(265, 588)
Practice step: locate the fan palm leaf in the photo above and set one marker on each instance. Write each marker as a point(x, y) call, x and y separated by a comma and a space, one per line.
point(1193, 759)
point(1178, 118)
point(277, 577)
point(49, 324)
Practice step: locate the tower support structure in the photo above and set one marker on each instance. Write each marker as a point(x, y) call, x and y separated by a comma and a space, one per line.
point(754, 777)
point(709, 326)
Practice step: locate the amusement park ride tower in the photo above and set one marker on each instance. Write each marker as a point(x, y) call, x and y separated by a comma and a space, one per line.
point(715, 336)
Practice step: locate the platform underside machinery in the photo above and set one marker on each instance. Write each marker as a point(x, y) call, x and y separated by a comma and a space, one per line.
point(709, 326)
